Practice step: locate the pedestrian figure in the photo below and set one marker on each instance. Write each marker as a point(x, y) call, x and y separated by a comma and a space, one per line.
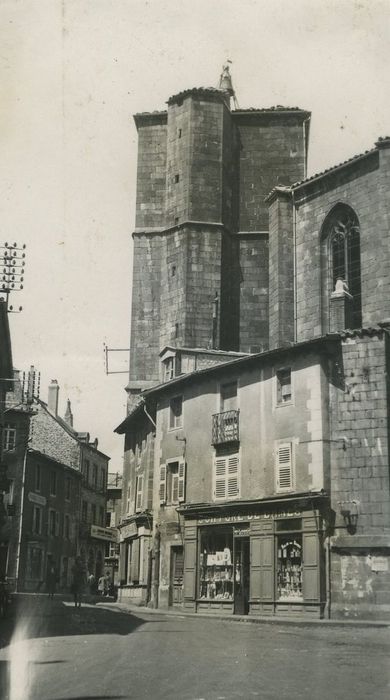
point(91, 583)
point(102, 585)
point(107, 584)
point(51, 580)
point(78, 581)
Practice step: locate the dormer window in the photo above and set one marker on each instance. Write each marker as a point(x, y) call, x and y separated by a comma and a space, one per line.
point(169, 368)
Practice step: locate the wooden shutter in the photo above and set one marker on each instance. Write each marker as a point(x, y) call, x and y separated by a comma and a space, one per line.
point(232, 476)
point(135, 551)
point(140, 485)
point(284, 474)
point(163, 484)
point(262, 565)
point(128, 501)
point(220, 477)
point(182, 481)
point(189, 582)
point(311, 567)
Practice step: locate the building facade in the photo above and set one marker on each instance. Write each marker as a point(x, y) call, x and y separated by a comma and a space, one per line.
point(256, 473)
point(44, 502)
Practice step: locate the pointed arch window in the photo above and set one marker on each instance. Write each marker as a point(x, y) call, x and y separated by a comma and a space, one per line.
point(342, 232)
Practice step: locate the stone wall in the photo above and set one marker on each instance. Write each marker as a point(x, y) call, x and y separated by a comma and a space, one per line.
point(360, 558)
point(364, 186)
point(151, 171)
point(253, 293)
point(272, 153)
point(281, 271)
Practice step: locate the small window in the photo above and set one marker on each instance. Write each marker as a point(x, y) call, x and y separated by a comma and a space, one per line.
point(86, 471)
point(54, 523)
point(177, 178)
point(9, 438)
point(173, 270)
point(176, 330)
point(37, 520)
point(180, 132)
point(226, 477)
point(176, 220)
point(176, 412)
point(139, 493)
point(101, 516)
point(169, 368)
point(67, 488)
point(284, 467)
point(37, 477)
point(53, 483)
point(102, 480)
point(84, 511)
point(95, 477)
point(67, 527)
point(283, 386)
point(93, 514)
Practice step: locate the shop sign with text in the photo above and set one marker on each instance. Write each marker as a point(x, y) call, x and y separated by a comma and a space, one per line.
point(104, 533)
point(222, 519)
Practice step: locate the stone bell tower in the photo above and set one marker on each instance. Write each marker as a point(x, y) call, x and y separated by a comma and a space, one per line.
point(200, 266)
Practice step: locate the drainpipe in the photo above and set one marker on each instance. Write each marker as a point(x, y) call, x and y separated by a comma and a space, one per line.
point(156, 568)
point(327, 573)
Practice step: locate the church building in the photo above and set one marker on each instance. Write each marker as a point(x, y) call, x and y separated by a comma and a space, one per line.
point(256, 471)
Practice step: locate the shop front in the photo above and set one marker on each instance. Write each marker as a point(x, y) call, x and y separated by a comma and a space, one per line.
point(266, 560)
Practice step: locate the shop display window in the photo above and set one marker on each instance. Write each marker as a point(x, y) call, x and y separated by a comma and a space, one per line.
point(289, 567)
point(216, 571)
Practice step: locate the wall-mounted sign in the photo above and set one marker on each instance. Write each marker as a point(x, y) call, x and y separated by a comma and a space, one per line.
point(251, 516)
point(129, 530)
point(104, 533)
point(36, 498)
point(379, 564)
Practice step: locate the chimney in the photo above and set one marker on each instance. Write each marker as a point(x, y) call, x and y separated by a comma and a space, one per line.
point(52, 400)
point(68, 414)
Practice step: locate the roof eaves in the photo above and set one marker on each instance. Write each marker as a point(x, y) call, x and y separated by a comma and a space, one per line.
point(330, 171)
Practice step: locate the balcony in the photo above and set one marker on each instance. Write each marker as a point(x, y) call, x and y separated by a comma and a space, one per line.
point(226, 427)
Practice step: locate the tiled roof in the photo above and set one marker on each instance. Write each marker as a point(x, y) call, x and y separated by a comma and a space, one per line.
point(275, 108)
point(333, 168)
point(196, 91)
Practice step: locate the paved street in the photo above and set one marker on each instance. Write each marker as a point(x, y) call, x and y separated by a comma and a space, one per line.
point(104, 653)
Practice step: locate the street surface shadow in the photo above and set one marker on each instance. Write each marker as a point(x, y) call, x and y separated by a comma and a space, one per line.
point(37, 618)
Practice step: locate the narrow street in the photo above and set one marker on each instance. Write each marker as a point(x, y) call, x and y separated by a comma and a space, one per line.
point(105, 653)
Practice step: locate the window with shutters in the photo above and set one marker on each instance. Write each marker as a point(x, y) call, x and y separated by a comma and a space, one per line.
point(226, 477)
point(139, 493)
point(172, 482)
point(284, 467)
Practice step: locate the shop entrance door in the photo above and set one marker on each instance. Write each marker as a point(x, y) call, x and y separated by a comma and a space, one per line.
point(176, 578)
point(241, 575)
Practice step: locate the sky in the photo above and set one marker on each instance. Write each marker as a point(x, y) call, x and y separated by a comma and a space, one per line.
point(72, 74)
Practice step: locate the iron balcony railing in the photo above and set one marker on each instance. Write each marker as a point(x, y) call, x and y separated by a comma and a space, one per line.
point(226, 427)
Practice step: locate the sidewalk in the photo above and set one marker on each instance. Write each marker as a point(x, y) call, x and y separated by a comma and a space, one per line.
point(251, 619)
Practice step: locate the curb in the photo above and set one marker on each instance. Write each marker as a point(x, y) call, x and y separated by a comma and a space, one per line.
point(247, 619)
